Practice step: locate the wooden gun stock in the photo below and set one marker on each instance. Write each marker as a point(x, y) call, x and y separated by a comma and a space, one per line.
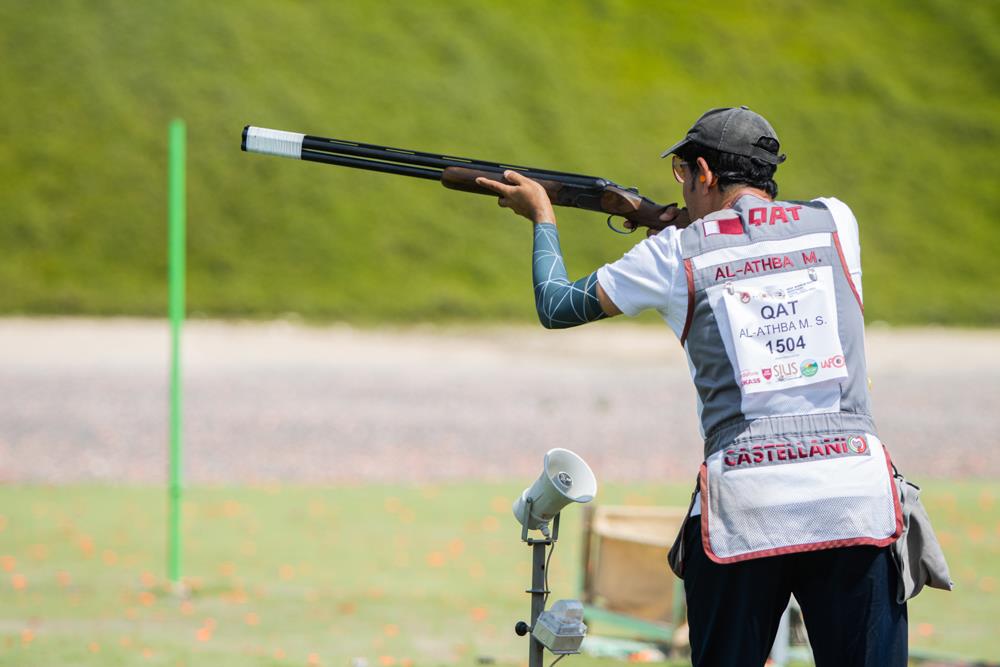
point(602, 196)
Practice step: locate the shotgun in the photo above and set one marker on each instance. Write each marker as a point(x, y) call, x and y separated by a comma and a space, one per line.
point(591, 193)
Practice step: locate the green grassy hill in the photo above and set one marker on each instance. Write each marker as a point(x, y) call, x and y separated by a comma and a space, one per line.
point(892, 107)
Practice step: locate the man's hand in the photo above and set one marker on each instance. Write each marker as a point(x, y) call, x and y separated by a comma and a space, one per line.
point(524, 196)
point(671, 216)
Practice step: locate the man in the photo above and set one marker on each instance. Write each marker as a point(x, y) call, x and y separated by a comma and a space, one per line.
point(796, 494)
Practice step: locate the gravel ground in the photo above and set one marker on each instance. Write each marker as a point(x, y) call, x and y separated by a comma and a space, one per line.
point(86, 400)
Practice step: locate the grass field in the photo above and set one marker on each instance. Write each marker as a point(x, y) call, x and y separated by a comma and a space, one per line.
point(293, 575)
point(891, 107)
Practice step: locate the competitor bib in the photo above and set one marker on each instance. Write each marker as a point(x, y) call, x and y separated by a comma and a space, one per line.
point(783, 330)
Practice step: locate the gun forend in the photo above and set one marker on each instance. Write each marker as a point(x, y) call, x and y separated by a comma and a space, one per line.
point(464, 179)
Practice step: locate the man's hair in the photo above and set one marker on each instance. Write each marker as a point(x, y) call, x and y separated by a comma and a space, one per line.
point(732, 169)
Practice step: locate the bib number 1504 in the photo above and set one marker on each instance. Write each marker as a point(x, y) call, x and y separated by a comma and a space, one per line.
point(782, 345)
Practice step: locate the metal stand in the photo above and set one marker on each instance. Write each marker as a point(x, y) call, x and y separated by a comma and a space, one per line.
point(538, 591)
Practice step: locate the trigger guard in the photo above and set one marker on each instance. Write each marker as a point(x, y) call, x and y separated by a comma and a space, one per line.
point(624, 231)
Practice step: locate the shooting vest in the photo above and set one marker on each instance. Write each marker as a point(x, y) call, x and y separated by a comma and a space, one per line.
point(775, 337)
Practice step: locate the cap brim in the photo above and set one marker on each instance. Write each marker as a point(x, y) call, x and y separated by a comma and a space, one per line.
point(675, 147)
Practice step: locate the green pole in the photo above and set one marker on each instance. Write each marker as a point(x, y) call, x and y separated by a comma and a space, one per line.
point(175, 235)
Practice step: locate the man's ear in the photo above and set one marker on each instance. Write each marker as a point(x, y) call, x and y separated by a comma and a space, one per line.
point(705, 174)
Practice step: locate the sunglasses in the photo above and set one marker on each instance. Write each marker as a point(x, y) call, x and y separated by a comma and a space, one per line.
point(677, 165)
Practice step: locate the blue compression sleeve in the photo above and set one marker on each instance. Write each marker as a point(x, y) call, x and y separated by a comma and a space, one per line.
point(560, 303)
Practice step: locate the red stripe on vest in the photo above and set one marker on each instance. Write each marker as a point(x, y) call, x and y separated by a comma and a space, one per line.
point(847, 271)
point(689, 274)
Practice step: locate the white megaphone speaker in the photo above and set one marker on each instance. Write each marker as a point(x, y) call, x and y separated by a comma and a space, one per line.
point(565, 479)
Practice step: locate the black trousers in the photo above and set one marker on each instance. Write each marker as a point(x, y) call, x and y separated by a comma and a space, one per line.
point(847, 596)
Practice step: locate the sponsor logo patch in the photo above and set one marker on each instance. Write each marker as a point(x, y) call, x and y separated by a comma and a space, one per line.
point(786, 370)
point(780, 453)
point(836, 361)
point(809, 368)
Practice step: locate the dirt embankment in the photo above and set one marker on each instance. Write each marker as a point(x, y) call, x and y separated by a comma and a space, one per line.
point(87, 400)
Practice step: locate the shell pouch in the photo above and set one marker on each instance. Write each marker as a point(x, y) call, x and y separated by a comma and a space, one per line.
point(919, 559)
point(784, 496)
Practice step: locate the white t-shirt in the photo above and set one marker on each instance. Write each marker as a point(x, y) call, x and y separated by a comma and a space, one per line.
point(651, 274)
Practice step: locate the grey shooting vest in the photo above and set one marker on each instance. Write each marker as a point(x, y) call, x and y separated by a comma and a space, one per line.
point(775, 337)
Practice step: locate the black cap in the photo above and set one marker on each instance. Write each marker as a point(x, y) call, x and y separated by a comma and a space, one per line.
point(734, 130)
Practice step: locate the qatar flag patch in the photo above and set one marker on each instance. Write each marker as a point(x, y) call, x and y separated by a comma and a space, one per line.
point(724, 226)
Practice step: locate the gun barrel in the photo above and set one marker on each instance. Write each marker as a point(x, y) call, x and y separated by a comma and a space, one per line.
point(386, 159)
point(372, 165)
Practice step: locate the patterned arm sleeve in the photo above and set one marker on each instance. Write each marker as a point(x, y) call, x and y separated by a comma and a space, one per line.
point(560, 303)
